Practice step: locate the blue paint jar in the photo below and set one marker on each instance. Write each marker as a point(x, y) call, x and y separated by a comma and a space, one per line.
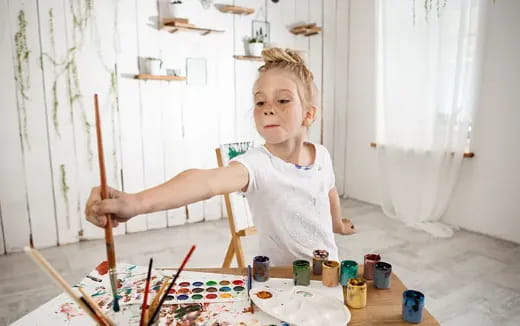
point(413, 304)
point(349, 269)
point(382, 275)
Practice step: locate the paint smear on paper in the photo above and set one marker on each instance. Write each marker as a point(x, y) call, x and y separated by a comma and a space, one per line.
point(102, 268)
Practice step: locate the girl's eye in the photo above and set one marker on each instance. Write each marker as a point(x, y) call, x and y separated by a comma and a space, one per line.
point(283, 101)
point(259, 103)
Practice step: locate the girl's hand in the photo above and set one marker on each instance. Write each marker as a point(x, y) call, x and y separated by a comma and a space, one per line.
point(346, 227)
point(120, 205)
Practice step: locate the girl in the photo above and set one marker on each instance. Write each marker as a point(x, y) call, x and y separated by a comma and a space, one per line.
point(289, 183)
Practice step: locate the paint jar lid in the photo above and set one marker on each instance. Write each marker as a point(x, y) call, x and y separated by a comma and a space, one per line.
point(320, 254)
point(261, 259)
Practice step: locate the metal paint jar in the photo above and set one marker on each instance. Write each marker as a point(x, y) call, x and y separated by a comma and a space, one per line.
point(382, 275)
point(261, 268)
point(330, 274)
point(356, 293)
point(370, 262)
point(349, 269)
point(301, 272)
point(318, 257)
point(413, 304)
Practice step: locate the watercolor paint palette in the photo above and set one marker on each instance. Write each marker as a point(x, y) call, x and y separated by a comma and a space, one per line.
point(227, 289)
point(302, 306)
point(189, 288)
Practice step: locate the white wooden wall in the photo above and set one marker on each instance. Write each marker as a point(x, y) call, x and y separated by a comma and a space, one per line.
point(152, 130)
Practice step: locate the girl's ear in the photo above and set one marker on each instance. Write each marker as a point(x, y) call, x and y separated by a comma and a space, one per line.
point(310, 115)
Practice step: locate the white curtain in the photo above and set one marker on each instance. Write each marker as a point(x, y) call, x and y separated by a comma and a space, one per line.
point(427, 85)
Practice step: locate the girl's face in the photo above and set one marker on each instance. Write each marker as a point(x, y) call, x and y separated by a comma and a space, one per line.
point(279, 112)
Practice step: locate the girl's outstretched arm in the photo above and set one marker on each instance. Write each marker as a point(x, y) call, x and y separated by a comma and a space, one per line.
point(339, 225)
point(185, 188)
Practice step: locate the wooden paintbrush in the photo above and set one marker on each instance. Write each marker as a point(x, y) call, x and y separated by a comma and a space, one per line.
point(155, 313)
point(80, 301)
point(109, 237)
point(249, 286)
point(158, 295)
point(145, 296)
point(97, 310)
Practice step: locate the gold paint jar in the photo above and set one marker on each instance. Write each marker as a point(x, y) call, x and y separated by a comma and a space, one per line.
point(356, 293)
point(330, 273)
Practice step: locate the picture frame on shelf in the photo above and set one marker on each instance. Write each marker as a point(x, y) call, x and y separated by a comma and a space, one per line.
point(260, 30)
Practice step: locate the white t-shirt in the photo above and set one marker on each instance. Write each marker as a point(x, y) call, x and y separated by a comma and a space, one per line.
point(290, 204)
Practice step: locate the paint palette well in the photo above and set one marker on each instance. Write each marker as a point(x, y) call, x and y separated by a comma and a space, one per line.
point(301, 306)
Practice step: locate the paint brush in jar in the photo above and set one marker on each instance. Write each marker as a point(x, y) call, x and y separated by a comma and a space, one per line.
point(145, 296)
point(109, 237)
point(249, 286)
point(155, 314)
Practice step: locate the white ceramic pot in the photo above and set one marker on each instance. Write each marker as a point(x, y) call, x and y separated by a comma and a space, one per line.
point(153, 66)
point(255, 49)
point(177, 10)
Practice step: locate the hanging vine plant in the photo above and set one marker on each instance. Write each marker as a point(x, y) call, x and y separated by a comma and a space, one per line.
point(22, 76)
point(81, 13)
point(429, 6)
point(65, 191)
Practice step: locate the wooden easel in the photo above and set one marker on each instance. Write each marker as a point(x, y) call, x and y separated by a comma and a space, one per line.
point(235, 246)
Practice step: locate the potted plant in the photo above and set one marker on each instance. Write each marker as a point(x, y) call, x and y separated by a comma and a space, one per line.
point(256, 43)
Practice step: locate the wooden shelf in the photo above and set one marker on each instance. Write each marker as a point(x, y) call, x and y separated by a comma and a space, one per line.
point(466, 155)
point(159, 77)
point(235, 10)
point(173, 26)
point(247, 57)
point(306, 30)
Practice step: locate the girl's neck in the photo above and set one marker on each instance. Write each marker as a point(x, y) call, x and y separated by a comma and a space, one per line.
point(295, 151)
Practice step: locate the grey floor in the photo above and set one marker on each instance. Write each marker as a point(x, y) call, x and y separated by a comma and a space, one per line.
point(469, 279)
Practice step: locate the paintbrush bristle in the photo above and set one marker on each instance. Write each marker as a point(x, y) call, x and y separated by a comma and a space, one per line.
point(116, 304)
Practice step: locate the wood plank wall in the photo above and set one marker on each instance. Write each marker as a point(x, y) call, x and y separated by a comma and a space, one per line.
point(57, 53)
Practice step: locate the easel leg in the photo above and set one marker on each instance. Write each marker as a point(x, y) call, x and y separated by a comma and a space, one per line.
point(229, 255)
point(239, 253)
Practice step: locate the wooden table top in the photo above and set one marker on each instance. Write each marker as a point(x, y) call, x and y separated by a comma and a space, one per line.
point(383, 306)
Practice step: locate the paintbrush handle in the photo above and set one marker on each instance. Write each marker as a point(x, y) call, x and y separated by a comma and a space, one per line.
point(154, 315)
point(109, 237)
point(158, 295)
point(109, 243)
point(145, 296)
point(42, 262)
point(95, 307)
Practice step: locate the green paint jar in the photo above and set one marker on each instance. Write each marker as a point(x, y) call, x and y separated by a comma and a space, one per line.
point(301, 272)
point(349, 269)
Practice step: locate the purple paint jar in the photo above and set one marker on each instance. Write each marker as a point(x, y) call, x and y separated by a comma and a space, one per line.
point(370, 262)
point(261, 268)
point(318, 257)
point(382, 275)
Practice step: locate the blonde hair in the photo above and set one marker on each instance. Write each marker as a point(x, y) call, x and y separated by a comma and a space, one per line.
point(292, 61)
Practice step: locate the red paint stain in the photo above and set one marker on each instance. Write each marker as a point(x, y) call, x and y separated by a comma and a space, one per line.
point(102, 268)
